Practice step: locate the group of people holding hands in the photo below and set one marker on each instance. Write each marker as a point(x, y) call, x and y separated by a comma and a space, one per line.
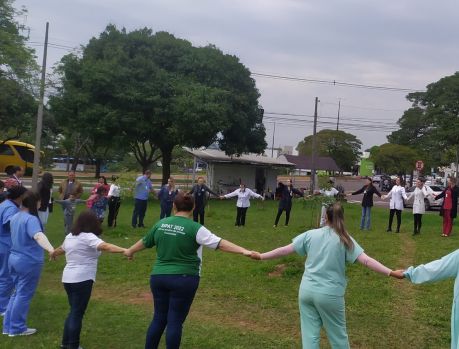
point(179, 240)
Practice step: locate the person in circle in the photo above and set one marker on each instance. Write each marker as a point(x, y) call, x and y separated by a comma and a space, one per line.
point(323, 285)
point(176, 271)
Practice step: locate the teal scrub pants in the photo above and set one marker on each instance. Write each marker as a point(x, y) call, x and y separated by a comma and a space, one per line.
point(317, 310)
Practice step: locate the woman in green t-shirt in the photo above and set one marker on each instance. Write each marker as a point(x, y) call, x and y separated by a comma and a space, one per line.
point(175, 276)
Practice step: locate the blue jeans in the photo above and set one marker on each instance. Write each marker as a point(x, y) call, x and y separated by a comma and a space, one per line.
point(172, 296)
point(6, 281)
point(25, 274)
point(78, 294)
point(140, 208)
point(366, 218)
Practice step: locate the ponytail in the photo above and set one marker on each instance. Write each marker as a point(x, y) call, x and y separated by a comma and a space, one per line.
point(335, 216)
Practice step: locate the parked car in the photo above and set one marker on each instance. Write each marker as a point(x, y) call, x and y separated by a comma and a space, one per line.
point(430, 202)
point(386, 183)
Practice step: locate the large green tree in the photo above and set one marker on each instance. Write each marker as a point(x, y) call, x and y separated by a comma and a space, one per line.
point(394, 158)
point(431, 125)
point(152, 91)
point(17, 75)
point(343, 147)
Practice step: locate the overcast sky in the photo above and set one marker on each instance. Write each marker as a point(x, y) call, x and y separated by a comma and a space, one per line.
point(405, 44)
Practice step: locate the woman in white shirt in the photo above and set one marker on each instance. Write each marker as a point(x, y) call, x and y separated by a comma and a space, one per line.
point(114, 202)
point(243, 202)
point(419, 208)
point(396, 195)
point(82, 249)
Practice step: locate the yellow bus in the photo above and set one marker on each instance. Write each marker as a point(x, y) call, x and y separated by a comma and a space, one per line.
point(15, 153)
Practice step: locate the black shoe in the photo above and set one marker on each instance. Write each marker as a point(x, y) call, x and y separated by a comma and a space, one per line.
point(141, 226)
point(389, 230)
point(397, 231)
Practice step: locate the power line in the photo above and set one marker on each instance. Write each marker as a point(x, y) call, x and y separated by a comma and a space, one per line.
point(335, 83)
point(371, 120)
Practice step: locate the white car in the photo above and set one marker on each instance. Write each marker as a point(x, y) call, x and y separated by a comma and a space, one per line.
point(429, 201)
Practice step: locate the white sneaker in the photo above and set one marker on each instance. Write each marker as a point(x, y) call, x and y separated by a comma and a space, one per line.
point(27, 332)
point(6, 333)
point(3, 314)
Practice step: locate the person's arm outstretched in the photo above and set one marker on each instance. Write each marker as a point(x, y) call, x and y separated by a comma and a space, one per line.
point(373, 264)
point(360, 191)
point(276, 253)
point(106, 247)
point(230, 195)
point(138, 246)
point(443, 268)
point(228, 246)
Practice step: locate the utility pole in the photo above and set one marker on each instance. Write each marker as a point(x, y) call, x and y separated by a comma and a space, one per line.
point(272, 145)
point(339, 108)
point(36, 156)
point(314, 145)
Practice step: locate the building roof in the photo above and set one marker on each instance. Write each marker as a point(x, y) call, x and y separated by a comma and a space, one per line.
point(215, 155)
point(323, 163)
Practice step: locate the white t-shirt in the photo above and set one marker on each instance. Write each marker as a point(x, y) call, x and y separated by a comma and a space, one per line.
point(81, 254)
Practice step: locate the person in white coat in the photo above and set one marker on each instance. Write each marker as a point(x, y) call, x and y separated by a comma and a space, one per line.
point(420, 193)
point(243, 202)
point(396, 195)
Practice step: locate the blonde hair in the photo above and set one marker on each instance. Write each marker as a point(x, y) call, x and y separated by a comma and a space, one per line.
point(335, 217)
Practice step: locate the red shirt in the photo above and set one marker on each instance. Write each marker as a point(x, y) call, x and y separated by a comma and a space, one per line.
point(448, 204)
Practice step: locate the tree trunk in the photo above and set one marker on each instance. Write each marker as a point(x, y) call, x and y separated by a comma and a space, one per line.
point(76, 159)
point(98, 165)
point(166, 161)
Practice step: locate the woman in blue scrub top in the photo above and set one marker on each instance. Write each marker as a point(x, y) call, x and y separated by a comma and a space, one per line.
point(321, 294)
point(8, 209)
point(26, 263)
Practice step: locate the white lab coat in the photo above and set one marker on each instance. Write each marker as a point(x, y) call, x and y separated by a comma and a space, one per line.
point(396, 195)
point(419, 206)
point(243, 197)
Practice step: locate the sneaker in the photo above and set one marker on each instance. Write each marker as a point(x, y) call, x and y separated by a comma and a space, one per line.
point(27, 332)
point(5, 333)
point(3, 314)
point(389, 230)
point(274, 226)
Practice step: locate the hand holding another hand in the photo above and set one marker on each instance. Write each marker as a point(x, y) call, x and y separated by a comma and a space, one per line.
point(128, 254)
point(398, 274)
point(255, 255)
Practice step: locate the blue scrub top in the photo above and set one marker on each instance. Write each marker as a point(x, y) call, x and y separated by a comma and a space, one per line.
point(325, 266)
point(142, 188)
point(23, 228)
point(7, 210)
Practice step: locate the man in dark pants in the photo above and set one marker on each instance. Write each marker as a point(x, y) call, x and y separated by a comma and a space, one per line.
point(199, 192)
point(143, 187)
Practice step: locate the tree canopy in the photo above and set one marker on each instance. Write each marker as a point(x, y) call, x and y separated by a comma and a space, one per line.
point(394, 158)
point(151, 92)
point(343, 147)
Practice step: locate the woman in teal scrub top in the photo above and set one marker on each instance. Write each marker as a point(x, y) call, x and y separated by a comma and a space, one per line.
point(321, 294)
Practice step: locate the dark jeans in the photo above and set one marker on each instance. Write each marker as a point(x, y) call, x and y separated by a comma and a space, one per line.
point(391, 218)
point(172, 296)
point(140, 207)
point(113, 207)
point(78, 295)
point(279, 214)
point(199, 212)
point(166, 210)
point(417, 223)
point(240, 216)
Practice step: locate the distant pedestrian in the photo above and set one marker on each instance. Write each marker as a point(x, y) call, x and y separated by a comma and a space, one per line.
point(199, 192)
point(114, 202)
point(101, 182)
point(329, 192)
point(15, 175)
point(397, 194)
point(286, 192)
point(45, 190)
point(142, 190)
point(70, 191)
point(449, 207)
point(420, 194)
point(368, 191)
point(243, 202)
point(166, 196)
point(99, 203)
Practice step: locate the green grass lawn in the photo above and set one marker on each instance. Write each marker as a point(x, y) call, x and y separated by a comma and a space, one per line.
point(247, 304)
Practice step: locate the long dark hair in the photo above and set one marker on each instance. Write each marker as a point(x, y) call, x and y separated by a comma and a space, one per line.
point(30, 201)
point(335, 216)
point(87, 222)
point(47, 181)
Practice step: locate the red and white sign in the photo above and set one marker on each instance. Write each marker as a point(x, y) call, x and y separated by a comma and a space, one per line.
point(419, 165)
